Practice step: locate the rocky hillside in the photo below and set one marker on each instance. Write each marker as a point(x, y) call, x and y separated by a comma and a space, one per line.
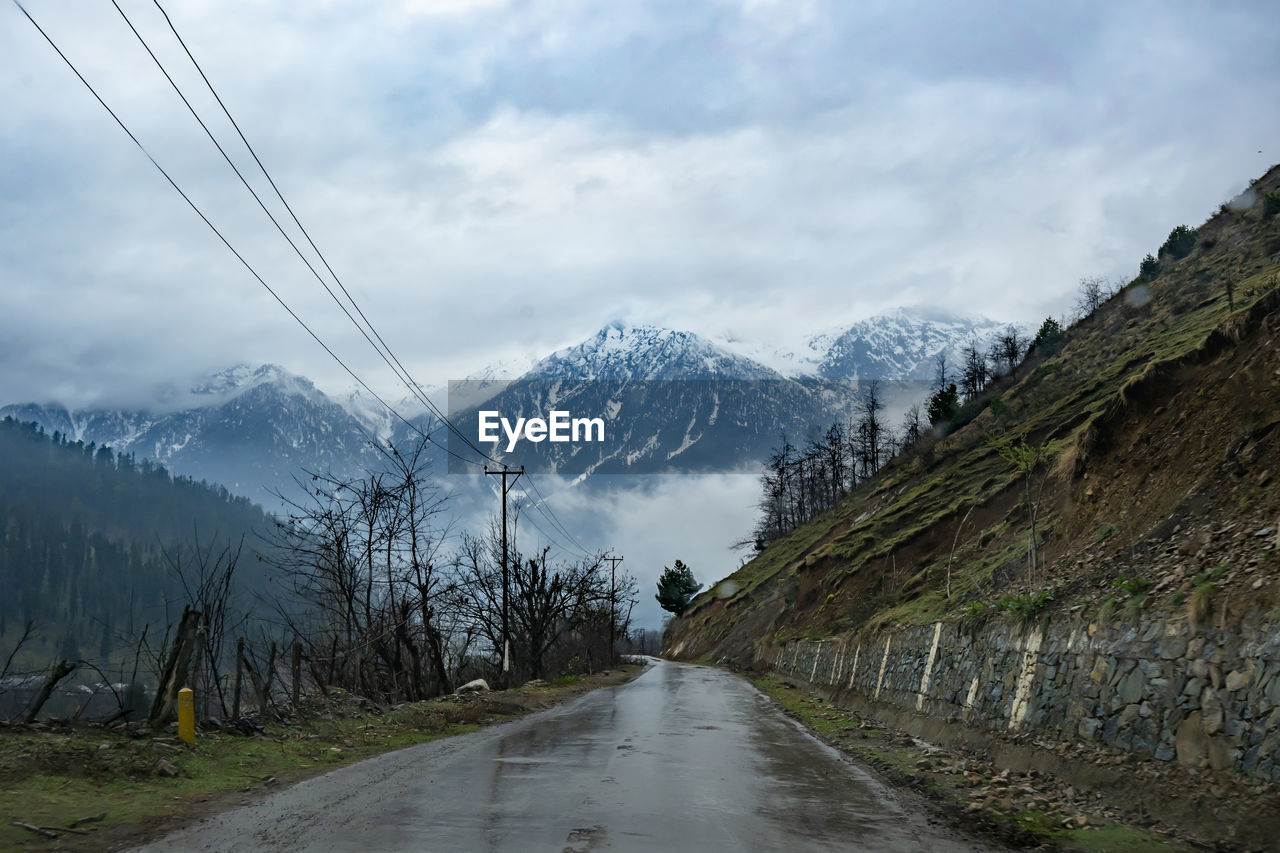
point(1157, 419)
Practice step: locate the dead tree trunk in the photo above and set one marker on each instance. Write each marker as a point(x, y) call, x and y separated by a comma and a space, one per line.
point(295, 665)
point(235, 696)
point(269, 676)
point(60, 671)
point(176, 670)
point(262, 680)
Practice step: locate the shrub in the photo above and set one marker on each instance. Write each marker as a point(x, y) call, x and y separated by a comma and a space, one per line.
point(1149, 268)
point(1270, 204)
point(1048, 336)
point(1133, 586)
point(1023, 606)
point(1180, 243)
point(1107, 610)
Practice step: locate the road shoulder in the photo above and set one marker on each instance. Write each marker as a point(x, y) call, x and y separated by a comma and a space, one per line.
point(95, 788)
point(1023, 809)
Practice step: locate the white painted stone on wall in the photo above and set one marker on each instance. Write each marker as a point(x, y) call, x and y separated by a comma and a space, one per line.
point(854, 671)
point(817, 655)
point(1026, 678)
point(883, 662)
point(928, 667)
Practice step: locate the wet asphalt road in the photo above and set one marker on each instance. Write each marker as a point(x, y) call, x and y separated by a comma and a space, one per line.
point(682, 758)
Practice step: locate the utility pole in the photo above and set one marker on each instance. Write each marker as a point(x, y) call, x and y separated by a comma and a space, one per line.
point(613, 597)
point(506, 578)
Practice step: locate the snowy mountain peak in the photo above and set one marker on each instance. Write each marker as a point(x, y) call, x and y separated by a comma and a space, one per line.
point(621, 352)
point(238, 377)
point(900, 344)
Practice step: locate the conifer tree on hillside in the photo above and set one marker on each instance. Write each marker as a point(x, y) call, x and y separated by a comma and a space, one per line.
point(676, 588)
point(1048, 337)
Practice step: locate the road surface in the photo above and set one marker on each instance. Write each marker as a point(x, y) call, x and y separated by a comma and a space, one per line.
point(682, 758)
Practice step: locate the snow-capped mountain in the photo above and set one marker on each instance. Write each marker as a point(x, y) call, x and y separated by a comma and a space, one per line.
point(251, 429)
point(792, 361)
point(901, 345)
point(671, 401)
point(255, 428)
point(619, 352)
point(896, 345)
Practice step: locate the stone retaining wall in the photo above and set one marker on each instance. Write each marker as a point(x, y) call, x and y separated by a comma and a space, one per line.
point(1208, 698)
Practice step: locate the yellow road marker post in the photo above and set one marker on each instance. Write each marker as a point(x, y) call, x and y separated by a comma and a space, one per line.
point(187, 715)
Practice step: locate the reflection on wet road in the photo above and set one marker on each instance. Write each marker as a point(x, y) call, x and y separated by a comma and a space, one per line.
point(682, 758)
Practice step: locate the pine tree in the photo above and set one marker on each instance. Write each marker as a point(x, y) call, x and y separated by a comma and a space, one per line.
point(1048, 337)
point(676, 588)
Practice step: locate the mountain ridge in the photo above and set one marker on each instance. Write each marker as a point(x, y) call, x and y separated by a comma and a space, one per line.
point(255, 427)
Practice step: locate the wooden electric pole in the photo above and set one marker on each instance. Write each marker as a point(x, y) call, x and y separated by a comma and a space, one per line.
point(506, 577)
point(613, 604)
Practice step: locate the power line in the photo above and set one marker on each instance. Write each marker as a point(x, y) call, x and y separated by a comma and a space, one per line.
point(546, 511)
point(396, 367)
point(209, 223)
point(407, 378)
point(389, 356)
point(551, 516)
point(552, 538)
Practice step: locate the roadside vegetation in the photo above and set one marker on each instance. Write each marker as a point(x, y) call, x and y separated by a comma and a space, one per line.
point(93, 787)
point(1024, 809)
point(355, 591)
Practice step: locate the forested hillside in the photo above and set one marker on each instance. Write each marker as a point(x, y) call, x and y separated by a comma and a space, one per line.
point(87, 538)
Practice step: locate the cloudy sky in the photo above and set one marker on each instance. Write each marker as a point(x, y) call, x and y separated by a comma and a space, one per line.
point(496, 178)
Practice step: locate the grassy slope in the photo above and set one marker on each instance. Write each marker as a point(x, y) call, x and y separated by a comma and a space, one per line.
point(1146, 398)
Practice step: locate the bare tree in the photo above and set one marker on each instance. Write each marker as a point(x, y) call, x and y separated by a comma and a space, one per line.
point(941, 372)
point(974, 372)
point(870, 431)
point(28, 631)
point(206, 571)
point(364, 557)
point(1092, 293)
point(1010, 347)
point(552, 606)
point(1026, 458)
point(912, 426)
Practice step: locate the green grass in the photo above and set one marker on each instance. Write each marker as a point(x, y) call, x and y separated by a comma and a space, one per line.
point(1113, 838)
point(54, 779)
point(1118, 839)
point(1023, 606)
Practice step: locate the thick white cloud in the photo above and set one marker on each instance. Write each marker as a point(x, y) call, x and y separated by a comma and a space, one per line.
point(648, 521)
